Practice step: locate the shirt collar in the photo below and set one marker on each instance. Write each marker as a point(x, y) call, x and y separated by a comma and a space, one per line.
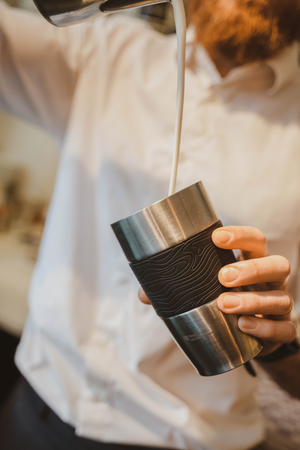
point(284, 66)
point(190, 35)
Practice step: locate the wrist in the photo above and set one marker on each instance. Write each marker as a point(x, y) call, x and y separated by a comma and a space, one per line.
point(281, 352)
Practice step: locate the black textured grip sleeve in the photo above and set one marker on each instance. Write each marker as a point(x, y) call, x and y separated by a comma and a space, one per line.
point(185, 276)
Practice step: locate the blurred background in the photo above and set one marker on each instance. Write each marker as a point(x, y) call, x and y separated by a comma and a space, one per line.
point(28, 164)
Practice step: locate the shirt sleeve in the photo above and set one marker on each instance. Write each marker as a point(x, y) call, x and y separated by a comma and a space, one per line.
point(39, 68)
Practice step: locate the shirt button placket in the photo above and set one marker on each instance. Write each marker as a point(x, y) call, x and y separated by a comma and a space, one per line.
point(99, 366)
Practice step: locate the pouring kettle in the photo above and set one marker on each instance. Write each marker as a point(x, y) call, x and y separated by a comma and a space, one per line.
point(66, 12)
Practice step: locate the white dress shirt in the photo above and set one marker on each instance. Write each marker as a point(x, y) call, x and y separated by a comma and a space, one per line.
point(106, 91)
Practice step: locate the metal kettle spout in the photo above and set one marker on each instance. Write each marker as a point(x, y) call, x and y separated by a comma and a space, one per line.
point(66, 12)
point(110, 6)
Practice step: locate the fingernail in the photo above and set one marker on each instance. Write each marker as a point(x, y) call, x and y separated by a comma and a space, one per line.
point(223, 236)
point(230, 273)
point(248, 323)
point(231, 301)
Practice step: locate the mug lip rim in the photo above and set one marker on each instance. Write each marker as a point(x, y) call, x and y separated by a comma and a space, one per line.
point(165, 223)
point(154, 204)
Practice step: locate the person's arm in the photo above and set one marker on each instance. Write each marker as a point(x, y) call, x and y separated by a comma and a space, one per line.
point(39, 67)
point(285, 370)
point(265, 310)
point(286, 373)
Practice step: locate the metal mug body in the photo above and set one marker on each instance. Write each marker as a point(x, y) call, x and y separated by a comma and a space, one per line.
point(211, 340)
point(170, 250)
point(67, 12)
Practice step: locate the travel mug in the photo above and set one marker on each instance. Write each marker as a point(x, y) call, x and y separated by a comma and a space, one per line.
point(170, 250)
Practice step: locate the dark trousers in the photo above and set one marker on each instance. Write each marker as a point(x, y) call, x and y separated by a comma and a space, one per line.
point(27, 423)
point(9, 373)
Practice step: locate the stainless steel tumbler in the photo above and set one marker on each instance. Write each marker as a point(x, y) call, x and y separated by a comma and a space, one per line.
point(169, 248)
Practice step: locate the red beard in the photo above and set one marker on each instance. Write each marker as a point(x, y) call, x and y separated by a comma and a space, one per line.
point(245, 30)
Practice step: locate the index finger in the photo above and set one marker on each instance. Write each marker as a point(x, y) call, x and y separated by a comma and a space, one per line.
point(250, 240)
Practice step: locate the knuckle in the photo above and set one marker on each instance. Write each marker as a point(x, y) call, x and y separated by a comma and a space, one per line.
point(255, 269)
point(291, 332)
point(257, 302)
point(260, 237)
point(271, 329)
point(285, 266)
point(287, 303)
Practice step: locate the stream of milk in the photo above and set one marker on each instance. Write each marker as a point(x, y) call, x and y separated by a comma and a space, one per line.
point(180, 23)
